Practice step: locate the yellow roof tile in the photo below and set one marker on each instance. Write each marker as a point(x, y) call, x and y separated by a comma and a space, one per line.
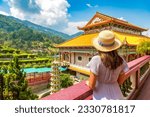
point(80, 41)
point(130, 38)
point(86, 40)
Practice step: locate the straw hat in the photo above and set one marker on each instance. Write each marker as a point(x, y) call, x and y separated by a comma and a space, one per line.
point(106, 41)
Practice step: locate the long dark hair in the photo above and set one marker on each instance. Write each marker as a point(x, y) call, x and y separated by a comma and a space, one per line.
point(111, 59)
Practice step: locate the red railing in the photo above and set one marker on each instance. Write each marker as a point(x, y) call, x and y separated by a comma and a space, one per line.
point(80, 91)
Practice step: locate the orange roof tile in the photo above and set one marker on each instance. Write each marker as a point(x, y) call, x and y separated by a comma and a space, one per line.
point(95, 24)
point(109, 19)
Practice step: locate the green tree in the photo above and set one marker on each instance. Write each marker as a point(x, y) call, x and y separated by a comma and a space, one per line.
point(15, 84)
point(144, 47)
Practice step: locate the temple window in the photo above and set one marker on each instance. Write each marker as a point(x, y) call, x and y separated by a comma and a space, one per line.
point(79, 58)
point(66, 57)
point(90, 58)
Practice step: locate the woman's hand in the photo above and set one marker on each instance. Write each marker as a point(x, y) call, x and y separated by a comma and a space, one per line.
point(91, 81)
point(87, 82)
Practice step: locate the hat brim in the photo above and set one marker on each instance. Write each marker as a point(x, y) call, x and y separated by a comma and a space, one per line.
point(116, 45)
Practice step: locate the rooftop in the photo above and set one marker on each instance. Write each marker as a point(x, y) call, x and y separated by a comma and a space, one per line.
point(85, 40)
point(105, 19)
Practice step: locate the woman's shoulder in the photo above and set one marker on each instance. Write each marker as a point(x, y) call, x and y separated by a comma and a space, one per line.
point(94, 61)
point(96, 57)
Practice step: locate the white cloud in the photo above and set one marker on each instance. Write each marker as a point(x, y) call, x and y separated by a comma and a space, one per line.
point(4, 13)
point(122, 18)
point(72, 27)
point(16, 13)
point(146, 33)
point(42, 12)
point(50, 13)
point(91, 6)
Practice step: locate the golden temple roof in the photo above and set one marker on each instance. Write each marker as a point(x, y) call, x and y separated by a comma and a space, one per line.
point(86, 40)
point(80, 41)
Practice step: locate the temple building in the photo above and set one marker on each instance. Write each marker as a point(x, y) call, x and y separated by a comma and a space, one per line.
point(79, 50)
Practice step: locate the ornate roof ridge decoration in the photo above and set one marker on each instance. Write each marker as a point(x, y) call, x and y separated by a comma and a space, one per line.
point(95, 24)
point(104, 19)
point(125, 42)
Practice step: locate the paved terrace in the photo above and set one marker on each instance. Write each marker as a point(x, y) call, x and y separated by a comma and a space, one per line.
point(135, 84)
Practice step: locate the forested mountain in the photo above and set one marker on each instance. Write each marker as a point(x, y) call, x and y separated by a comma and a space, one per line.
point(25, 35)
point(39, 28)
point(45, 30)
point(19, 29)
point(9, 24)
point(76, 34)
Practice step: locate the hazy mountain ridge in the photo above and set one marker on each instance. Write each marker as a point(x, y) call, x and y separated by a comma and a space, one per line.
point(18, 24)
point(76, 34)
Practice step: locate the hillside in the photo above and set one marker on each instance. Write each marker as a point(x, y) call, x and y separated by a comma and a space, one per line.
point(39, 28)
point(45, 30)
point(10, 24)
point(27, 36)
point(76, 34)
point(17, 27)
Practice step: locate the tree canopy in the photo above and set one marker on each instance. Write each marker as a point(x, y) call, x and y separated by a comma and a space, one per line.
point(144, 47)
point(15, 86)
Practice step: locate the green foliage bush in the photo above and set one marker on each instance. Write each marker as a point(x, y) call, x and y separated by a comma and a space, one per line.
point(48, 64)
point(66, 81)
point(4, 62)
point(42, 65)
point(15, 86)
point(34, 60)
point(17, 51)
point(144, 47)
point(35, 66)
point(7, 50)
point(6, 55)
point(28, 65)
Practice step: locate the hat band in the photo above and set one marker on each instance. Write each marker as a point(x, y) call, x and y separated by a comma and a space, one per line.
point(106, 45)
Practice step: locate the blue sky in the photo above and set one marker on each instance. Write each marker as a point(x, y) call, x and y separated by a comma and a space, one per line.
point(66, 15)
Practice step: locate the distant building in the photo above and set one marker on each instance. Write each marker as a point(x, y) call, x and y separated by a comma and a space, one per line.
point(79, 50)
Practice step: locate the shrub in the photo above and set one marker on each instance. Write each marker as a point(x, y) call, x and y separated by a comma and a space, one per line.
point(28, 65)
point(66, 81)
point(48, 64)
point(42, 65)
point(144, 47)
point(35, 66)
point(17, 51)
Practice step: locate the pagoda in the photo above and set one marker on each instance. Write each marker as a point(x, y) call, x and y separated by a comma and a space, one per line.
point(79, 50)
point(55, 78)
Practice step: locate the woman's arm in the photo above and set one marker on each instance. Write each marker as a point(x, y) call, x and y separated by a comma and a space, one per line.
point(91, 81)
point(121, 79)
point(125, 68)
